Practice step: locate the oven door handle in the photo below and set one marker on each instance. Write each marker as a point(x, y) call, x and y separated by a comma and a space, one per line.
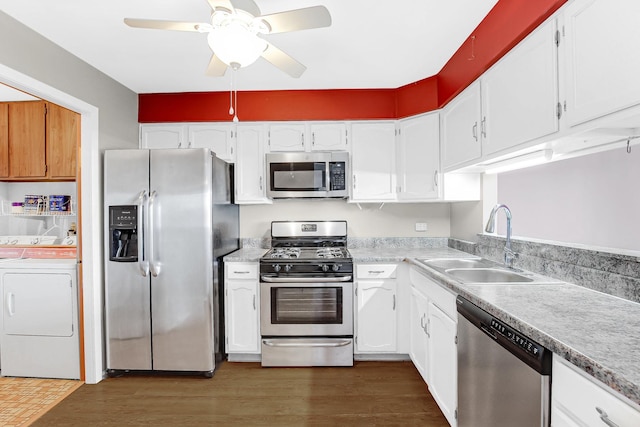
point(303, 343)
point(273, 279)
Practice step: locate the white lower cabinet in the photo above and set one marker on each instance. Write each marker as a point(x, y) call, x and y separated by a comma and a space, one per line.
point(578, 400)
point(433, 347)
point(376, 308)
point(242, 308)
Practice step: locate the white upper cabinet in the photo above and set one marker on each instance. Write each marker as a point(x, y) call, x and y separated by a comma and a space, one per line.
point(329, 137)
point(418, 151)
point(250, 168)
point(461, 128)
point(217, 137)
point(602, 57)
point(163, 136)
point(287, 137)
point(520, 93)
point(373, 161)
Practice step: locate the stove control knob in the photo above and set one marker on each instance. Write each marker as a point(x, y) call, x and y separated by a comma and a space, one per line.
point(335, 267)
point(288, 267)
point(325, 267)
point(276, 267)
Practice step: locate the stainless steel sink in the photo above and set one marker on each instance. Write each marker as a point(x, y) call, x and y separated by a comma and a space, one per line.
point(448, 263)
point(487, 275)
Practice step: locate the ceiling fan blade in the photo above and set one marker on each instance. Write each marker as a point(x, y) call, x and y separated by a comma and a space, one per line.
point(163, 25)
point(283, 61)
point(246, 5)
point(221, 4)
point(216, 67)
point(298, 19)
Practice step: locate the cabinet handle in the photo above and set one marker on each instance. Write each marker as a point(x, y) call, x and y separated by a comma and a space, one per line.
point(426, 329)
point(435, 178)
point(260, 183)
point(484, 127)
point(605, 418)
point(302, 138)
point(254, 302)
point(354, 181)
point(474, 131)
point(422, 322)
point(375, 271)
point(240, 272)
point(189, 144)
point(313, 139)
point(179, 144)
point(394, 303)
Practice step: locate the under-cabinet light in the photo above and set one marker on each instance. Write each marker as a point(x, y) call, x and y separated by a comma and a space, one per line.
point(519, 162)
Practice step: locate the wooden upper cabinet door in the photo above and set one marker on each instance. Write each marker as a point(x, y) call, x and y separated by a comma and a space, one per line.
point(63, 128)
point(4, 140)
point(27, 148)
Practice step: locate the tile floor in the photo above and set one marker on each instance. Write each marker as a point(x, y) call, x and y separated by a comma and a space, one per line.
point(23, 400)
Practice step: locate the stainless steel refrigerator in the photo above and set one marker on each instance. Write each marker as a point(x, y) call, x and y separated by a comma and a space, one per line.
point(169, 220)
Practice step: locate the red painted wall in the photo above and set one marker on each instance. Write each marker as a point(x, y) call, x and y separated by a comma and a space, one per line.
point(505, 25)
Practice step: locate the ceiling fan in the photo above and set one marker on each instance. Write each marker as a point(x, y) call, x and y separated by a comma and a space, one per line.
point(234, 30)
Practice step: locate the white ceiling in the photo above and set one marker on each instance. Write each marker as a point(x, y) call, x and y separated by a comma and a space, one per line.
point(370, 44)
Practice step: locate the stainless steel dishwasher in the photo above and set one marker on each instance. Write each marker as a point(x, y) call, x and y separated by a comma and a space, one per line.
point(503, 377)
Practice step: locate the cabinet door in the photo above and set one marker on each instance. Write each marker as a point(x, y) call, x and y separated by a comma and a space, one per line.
point(602, 57)
point(4, 140)
point(373, 161)
point(329, 137)
point(249, 170)
point(443, 362)
point(418, 331)
point(242, 317)
point(419, 158)
point(461, 128)
point(163, 136)
point(377, 322)
point(520, 93)
point(287, 137)
point(27, 147)
point(217, 138)
point(63, 136)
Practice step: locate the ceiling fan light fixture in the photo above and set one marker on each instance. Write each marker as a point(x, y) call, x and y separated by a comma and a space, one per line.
point(234, 42)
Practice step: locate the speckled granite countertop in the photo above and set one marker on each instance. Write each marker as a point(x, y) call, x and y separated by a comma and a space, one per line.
point(598, 333)
point(245, 255)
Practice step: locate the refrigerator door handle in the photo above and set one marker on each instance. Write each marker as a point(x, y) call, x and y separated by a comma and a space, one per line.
point(142, 263)
point(153, 263)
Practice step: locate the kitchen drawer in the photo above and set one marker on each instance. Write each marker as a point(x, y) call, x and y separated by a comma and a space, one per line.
point(584, 400)
point(376, 271)
point(242, 270)
point(440, 296)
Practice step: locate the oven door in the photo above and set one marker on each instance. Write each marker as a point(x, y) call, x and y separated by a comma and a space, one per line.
point(317, 309)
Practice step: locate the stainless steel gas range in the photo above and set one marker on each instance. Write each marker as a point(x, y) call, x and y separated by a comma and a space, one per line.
point(306, 295)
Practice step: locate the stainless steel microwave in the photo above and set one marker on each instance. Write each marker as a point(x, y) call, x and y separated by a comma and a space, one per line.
point(316, 174)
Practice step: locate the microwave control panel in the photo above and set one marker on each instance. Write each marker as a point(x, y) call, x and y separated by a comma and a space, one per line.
point(338, 175)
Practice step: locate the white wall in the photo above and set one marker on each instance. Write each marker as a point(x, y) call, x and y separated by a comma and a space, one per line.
point(368, 220)
point(109, 120)
point(592, 200)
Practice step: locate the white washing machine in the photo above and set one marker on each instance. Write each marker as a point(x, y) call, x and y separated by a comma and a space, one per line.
point(39, 322)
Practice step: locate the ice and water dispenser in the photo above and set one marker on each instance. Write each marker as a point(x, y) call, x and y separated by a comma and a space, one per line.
point(123, 233)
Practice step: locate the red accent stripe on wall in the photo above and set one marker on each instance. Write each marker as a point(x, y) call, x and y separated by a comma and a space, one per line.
point(505, 25)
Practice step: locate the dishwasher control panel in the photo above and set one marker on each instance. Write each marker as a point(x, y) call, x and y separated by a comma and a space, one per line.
point(521, 341)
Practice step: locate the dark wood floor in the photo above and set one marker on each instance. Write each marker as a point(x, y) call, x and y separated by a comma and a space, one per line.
point(244, 394)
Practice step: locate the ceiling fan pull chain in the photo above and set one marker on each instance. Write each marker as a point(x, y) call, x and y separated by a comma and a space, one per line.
point(231, 112)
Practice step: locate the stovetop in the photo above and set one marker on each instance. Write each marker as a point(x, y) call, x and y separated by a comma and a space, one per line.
point(307, 253)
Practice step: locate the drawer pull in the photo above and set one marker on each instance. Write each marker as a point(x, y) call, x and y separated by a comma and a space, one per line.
point(376, 271)
point(241, 272)
point(605, 418)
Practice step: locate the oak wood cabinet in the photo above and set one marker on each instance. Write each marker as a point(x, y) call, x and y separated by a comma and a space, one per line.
point(38, 142)
point(62, 136)
point(27, 143)
point(4, 140)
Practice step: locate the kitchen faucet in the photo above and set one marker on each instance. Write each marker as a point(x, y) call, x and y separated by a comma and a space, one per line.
point(509, 254)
